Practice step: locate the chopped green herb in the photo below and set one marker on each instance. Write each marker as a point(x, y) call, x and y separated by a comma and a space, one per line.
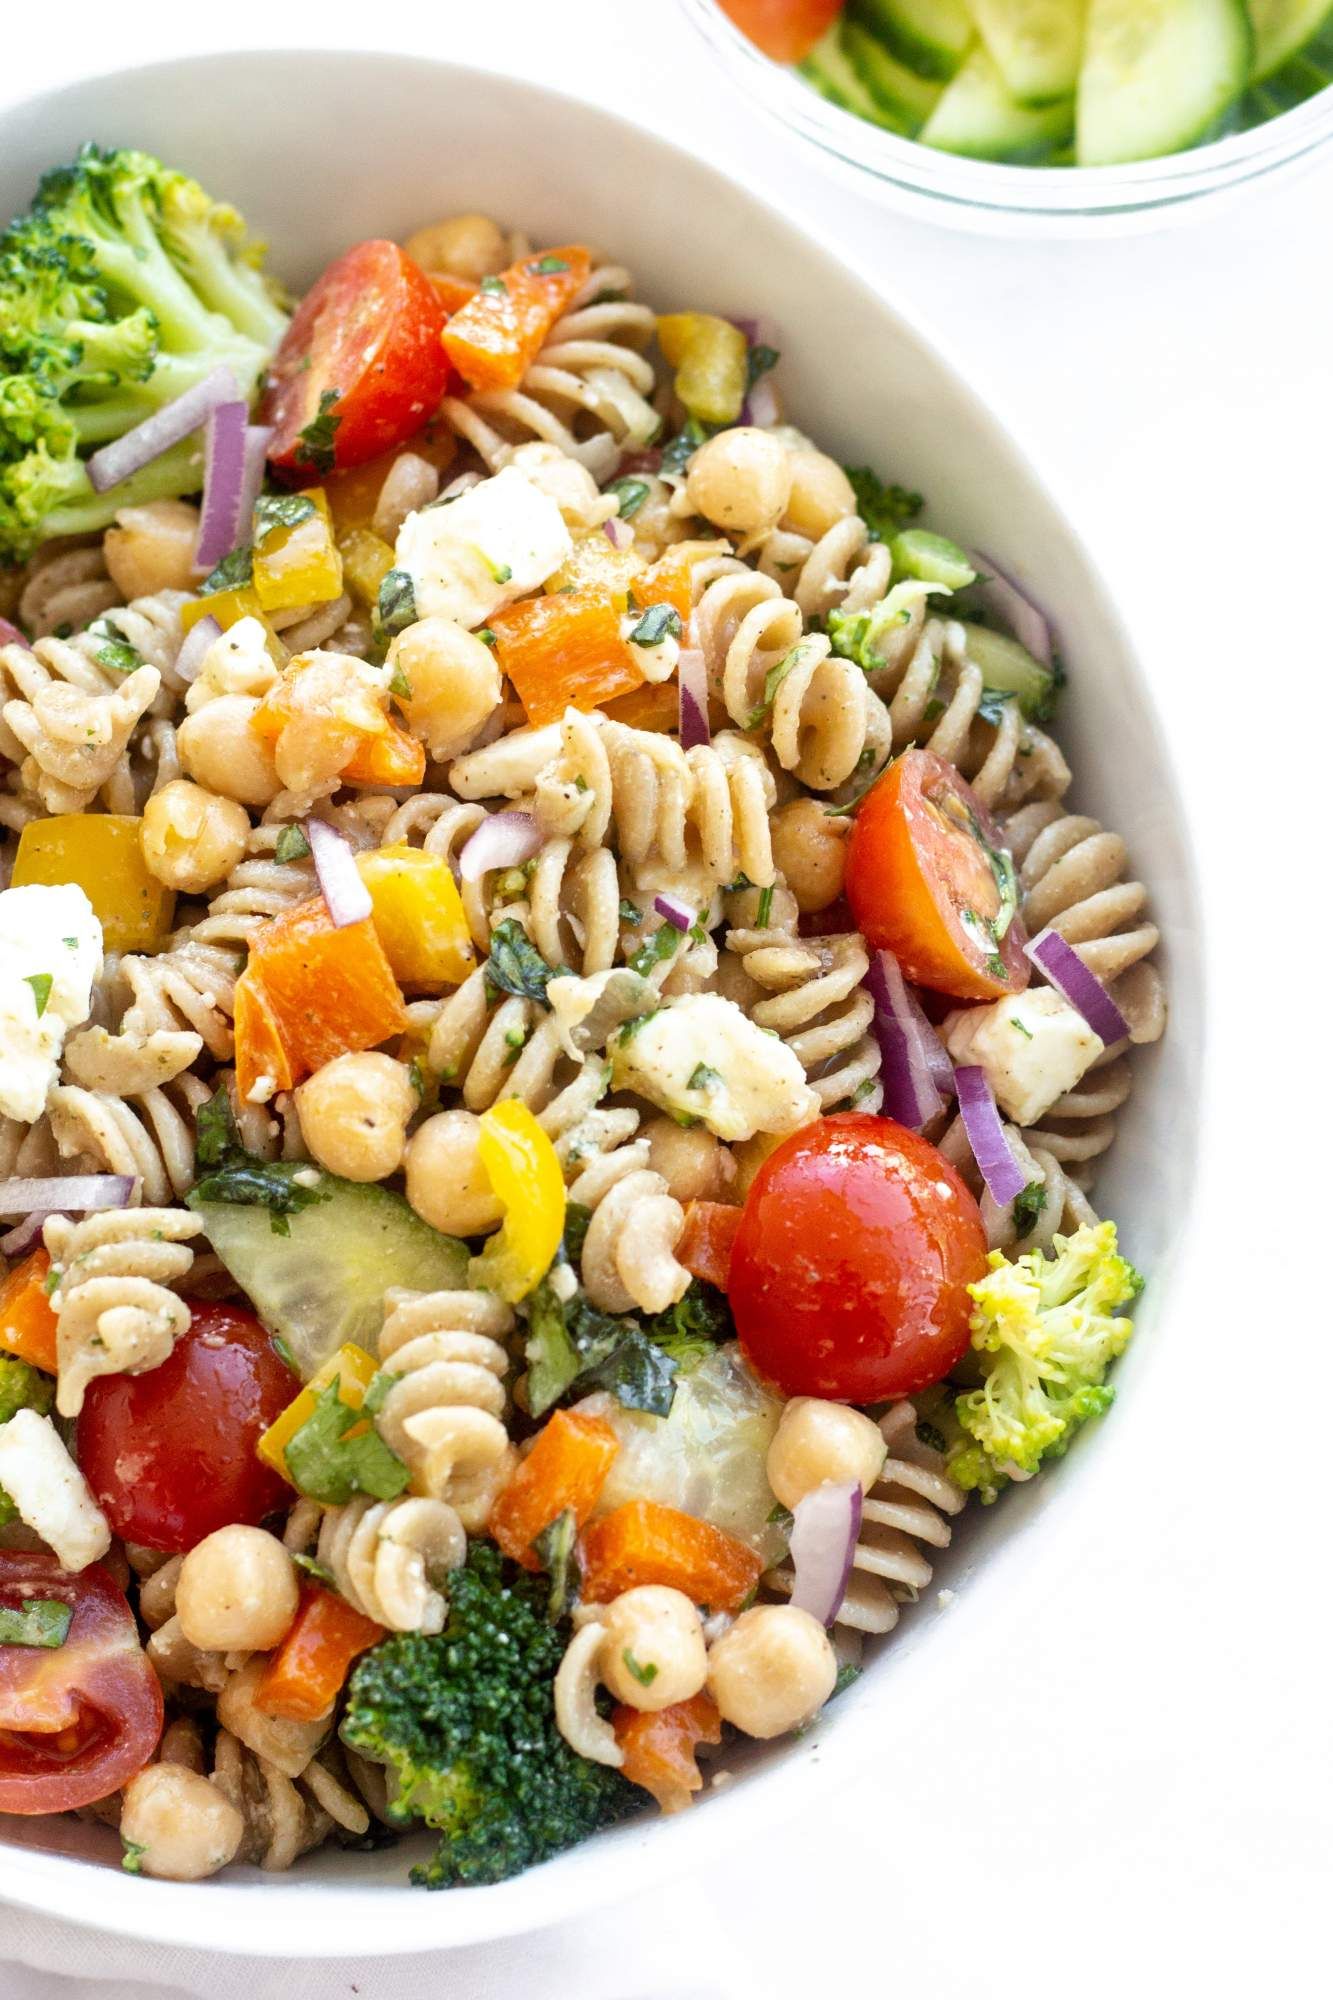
point(240, 1177)
point(314, 446)
point(544, 266)
point(704, 1078)
point(516, 966)
point(765, 909)
point(991, 708)
point(659, 622)
point(116, 653)
point(51, 1282)
point(500, 572)
point(758, 361)
point(631, 493)
point(416, 1077)
point(1028, 1205)
point(291, 844)
point(232, 573)
point(37, 1621)
point(281, 510)
point(884, 509)
point(1022, 1027)
point(377, 1392)
point(397, 607)
point(338, 1452)
point(644, 1675)
point(677, 454)
point(400, 685)
point(631, 1028)
point(41, 984)
point(283, 1351)
point(630, 913)
point(846, 1674)
point(495, 285)
point(773, 680)
point(556, 1549)
point(664, 940)
point(73, 943)
point(485, 634)
point(131, 1859)
point(779, 1516)
point(321, 1573)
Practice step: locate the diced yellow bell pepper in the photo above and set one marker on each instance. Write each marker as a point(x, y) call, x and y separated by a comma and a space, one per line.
point(366, 562)
point(354, 1369)
point(593, 563)
point(709, 356)
point(229, 607)
point(102, 854)
point(524, 1172)
point(418, 916)
point(299, 565)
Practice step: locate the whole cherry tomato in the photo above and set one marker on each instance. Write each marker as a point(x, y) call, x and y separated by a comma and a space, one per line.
point(787, 30)
point(77, 1720)
point(361, 368)
point(929, 880)
point(170, 1455)
point(850, 1268)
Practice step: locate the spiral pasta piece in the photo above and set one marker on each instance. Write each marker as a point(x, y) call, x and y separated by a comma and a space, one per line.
point(391, 1558)
point(443, 1416)
point(148, 1134)
point(67, 728)
point(65, 586)
point(629, 1255)
point(818, 1006)
point(114, 1312)
point(842, 571)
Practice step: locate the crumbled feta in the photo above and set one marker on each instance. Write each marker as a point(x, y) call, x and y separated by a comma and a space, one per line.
point(50, 954)
point(1033, 1047)
point(586, 1010)
point(575, 492)
point(700, 1057)
point(237, 662)
point(495, 542)
point(50, 1492)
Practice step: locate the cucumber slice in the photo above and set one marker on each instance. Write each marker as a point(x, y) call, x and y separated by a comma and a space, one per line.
point(905, 99)
point(1037, 45)
point(1281, 29)
point(827, 67)
point(325, 1281)
point(930, 36)
point(931, 559)
point(1157, 76)
point(977, 117)
point(1009, 668)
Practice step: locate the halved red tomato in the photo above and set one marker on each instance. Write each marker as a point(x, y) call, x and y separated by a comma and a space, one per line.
point(361, 368)
point(787, 30)
point(929, 880)
point(79, 1719)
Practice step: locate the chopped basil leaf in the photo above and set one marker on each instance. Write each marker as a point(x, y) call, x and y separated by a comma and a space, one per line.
point(283, 1351)
point(884, 509)
point(1028, 1205)
point(664, 940)
point(630, 913)
point(631, 493)
point(544, 266)
point(556, 1549)
point(773, 680)
point(1022, 1027)
point(516, 966)
point(631, 1028)
point(240, 1177)
point(644, 1675)
point(132, 1858)
point(291, 844)
point(493, 284)
point(416, 1077)
point(338, 1452)
point(704, 1078)
point(846, 1674)
point(931, 1435)
point(73, 943)
point(677, 454)
point(400, 685)
point(377, 1393)
point(992, 705)
point(281, 510)
point(41, 984)
point(320, 1572)
point(659, 622)
point(232, 573)
point(758, 362)
point(37, 1621)
point(397, 607)
point(116, 654)
point(314, 446)
point(499, 572)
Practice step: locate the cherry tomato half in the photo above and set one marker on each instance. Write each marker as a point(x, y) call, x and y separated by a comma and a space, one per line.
point(787, 30)
point(79, 1719)
point(364, 345)
point(849, 1271)
point(170, 1455)
point(928, 880)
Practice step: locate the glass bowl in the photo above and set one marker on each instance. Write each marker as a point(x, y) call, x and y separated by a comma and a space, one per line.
point(1013, 200)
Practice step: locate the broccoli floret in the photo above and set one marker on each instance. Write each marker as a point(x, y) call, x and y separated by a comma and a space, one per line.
point(1045, 1330)
point(885, 509)
point(465, 1722)
point(867, 637)
point(21, 1388)
point(122, 286)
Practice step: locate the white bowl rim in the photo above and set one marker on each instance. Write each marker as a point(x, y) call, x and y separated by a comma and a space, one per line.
point(626, 1861)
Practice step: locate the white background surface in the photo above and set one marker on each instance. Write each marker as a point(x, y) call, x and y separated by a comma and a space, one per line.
point(1142, 1795)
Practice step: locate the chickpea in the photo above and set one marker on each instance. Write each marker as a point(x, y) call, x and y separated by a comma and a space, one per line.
point(817, 1442)
point(185, 1826)
point(695, 1165)
point(772, 1671)
point(466, 246)
point(740, 480)
point(236, 1591)
point(653, 1650)
point(192, 838)
point(446, 1182)
point(810, 851)
point(454, 679)
point(221, 751)
point(821, 493)
point(152, 548)
point(354, 1115)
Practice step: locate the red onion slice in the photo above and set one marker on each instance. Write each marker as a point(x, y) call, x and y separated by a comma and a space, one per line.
point(1068, 974)
point(11, 636)
point(505, 840)
point(26, 1235)
point(648, 460)
point(692, 685)
point(1001, 1172)
point(823, 1543)
point(762, 404)
point(71, 1194)
point(1018, 614)
point(129, 454)
point(258, 438)
point(224, 480)
point(679, 915)
point(344, 892)
point(914, 1067)
point(618, 533)
point(194, 646)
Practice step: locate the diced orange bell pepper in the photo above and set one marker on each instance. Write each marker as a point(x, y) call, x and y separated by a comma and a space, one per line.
point(103, 854)
point(311, 992)
point(395, 757)
point(667, 581)
point(566, 1468)
point(563, 652)
point(353, 713)
point(706, 1240)
point(27, 1318)
point(643, 1542)
point(453, 293)
point(493, 340)
point(655, 705)
point(659, 1747)
point(305, 1675)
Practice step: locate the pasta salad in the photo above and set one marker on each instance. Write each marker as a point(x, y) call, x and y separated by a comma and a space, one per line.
point(557, 1030)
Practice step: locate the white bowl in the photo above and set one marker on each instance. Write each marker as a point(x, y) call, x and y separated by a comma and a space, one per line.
point(321, 149)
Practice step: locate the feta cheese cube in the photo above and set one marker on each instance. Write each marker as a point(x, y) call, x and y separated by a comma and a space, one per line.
point(50, 1492)
point(700, 1057)
point(50, 954)
point(496, 542)
point(1033, 1047)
